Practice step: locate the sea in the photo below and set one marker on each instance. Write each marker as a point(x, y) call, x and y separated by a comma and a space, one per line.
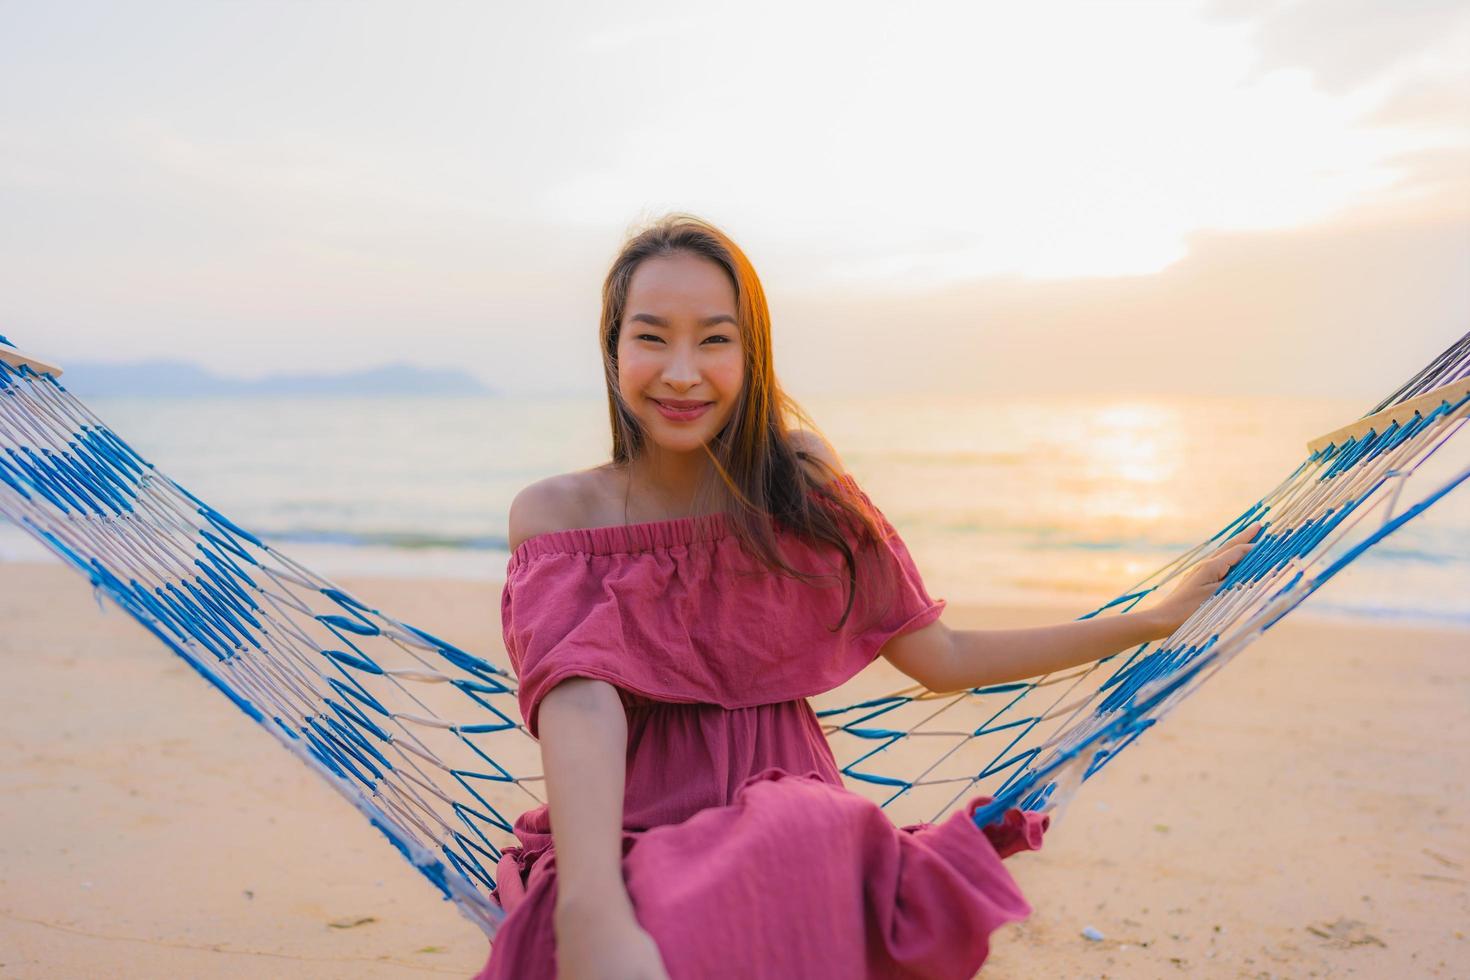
point(1051, 501)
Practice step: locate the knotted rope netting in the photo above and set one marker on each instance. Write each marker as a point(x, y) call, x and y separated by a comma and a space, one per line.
point(422, 737)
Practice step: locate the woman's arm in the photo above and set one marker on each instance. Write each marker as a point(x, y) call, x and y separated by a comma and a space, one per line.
point(944, 659)
point(584, 737)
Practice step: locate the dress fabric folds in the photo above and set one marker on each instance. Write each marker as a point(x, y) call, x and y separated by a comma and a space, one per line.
point(743, 854)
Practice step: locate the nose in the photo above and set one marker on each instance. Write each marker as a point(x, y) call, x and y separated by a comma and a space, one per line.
point(680, 372)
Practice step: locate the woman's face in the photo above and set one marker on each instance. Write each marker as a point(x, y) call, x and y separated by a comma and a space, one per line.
point(680, 364)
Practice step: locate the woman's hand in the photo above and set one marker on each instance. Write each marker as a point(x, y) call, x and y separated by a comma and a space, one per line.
point(1200, 583)
point(605, 943)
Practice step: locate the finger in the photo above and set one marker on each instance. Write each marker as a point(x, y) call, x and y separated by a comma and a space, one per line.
point(1235, 555)
point(1214, 567)
point(1235, 547)
point(1210, 571)
point(1230, 560)
point(1226, 552)
point(1243, 536)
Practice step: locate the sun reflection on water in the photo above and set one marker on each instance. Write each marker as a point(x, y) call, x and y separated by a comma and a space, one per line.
point(1129, 454)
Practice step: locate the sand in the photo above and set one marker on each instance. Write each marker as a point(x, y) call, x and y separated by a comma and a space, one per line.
point(1306, 814)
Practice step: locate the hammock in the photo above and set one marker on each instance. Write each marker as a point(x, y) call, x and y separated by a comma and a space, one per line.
point(422, 737)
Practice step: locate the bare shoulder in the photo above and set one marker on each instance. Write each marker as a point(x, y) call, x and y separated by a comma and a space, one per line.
point(821, 459)
point(568, 500)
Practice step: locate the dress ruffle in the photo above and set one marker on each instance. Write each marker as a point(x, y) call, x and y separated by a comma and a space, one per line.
point(678, 611)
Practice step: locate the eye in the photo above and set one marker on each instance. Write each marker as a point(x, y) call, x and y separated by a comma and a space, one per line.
point(649, 336)
point(719, 337)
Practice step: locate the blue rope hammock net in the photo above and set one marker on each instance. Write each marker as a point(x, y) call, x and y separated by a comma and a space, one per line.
point(423, 737)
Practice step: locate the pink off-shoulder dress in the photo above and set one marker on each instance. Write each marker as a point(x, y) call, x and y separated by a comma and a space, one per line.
point(743, 854)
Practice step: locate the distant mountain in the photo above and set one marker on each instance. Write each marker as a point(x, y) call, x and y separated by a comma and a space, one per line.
point(181, 379)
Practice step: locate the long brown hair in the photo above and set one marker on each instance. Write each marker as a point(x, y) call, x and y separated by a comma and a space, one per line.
point(761, 476)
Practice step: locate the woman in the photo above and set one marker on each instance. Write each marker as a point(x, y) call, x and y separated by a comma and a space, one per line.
point(669, 612)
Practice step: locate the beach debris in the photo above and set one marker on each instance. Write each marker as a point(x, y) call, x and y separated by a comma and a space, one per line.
point(1346, 933)
point(430, 949)
point(1442, 859)
point(351, 923)
point(1092, 934)
point(248, 893)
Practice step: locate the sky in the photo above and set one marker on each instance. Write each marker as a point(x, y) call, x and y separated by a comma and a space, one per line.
point(1229, 198)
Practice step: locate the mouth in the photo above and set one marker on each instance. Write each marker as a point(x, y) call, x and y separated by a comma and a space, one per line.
point(680, 409)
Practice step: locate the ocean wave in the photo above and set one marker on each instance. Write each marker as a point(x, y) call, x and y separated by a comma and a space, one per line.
point(1449, 549)
point(403, 540)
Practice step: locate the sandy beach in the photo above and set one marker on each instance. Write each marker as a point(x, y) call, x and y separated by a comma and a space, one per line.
point(1306, 814)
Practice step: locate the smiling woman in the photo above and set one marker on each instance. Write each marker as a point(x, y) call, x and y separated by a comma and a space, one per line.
point(685, 516)
point(669, 613)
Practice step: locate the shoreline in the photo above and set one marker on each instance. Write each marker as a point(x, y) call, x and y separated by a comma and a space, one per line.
point(1303, 812)
point(1314, 609)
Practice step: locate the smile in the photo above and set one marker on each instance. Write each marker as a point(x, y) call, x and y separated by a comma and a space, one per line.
point(681, 411)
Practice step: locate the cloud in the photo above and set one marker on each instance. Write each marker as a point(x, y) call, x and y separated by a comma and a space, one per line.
point(1349, 44)
point(1089, 199)
point(1435, 100)
point(639, 31)
point(1345, 308)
